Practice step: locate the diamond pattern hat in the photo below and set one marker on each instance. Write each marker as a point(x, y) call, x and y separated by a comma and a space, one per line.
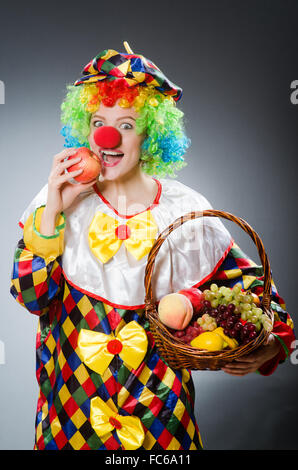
point(135, 69)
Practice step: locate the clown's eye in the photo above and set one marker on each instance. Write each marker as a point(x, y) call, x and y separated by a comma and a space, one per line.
point(98, 123)
point(125, 125)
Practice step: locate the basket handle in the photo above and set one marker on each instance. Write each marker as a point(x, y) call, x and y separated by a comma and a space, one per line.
point(149, 303)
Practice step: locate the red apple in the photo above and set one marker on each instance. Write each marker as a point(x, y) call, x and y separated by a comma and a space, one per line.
point(195, 296)
point(90, 163)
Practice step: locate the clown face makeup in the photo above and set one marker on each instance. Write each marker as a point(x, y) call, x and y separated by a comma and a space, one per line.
point(114, 139)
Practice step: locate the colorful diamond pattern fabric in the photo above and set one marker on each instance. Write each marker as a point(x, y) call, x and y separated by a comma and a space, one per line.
point(134, 69)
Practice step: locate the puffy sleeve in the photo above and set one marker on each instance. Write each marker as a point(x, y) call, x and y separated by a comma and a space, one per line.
point(37, 270)
point(238, 268)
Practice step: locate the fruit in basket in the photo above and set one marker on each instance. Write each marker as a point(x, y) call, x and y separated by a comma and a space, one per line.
point(214, 340)
point(233, 314)
point(232, 343)
point(195, 296)
point(207, 322)
point(209, 341)
point(245, 305)
point(175, 311)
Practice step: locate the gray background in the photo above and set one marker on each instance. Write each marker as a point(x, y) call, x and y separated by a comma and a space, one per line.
point(235, 61)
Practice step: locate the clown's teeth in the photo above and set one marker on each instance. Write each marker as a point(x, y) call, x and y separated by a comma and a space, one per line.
point(113, 154)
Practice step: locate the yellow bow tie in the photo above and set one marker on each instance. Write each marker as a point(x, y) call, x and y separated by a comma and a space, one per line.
point(97, 350)
point(106, 235)
point(105, 419)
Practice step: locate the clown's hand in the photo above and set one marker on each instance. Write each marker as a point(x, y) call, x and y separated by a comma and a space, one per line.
point(253, 361)
point(61, 192)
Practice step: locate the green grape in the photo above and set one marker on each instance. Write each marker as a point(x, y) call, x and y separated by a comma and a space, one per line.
point(258, 326)
point(246, 306)
point(254, 319)
point(248, 314)
point(247, 299)
point(259, 311)
point(237, 288)
point(214, 287)
point(209, 296)
point(200, 321)
point(222, 290)
point(254, 310)
point(243, 316)
point(214, 303)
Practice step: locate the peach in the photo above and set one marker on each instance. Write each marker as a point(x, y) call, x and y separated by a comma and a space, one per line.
point(90, 164)
point(195, 296)
point(175, 311)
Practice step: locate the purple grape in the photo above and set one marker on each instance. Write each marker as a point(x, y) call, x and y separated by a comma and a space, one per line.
point(251, 327)
point(222, 308)
point(207, 304)
point(229, 323)
point(179, 334)
point(231, 308)
point(226, 331)
point(233, 333)
point(252, 335)
point(213, 314)
point(226, 315)
point(238, 326)
point(187, 338)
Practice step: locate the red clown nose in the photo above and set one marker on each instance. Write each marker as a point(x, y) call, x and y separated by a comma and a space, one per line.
point(107, 137)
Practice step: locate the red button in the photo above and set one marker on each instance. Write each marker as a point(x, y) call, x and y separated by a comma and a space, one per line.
point(114, 422)
point(114, 346)
point(123, 232)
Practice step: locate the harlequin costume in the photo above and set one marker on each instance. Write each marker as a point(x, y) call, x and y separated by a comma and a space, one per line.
point(103, 384)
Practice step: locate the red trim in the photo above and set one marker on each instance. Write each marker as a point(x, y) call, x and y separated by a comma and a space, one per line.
point(21, 224)
point(134, 307)
point(98, 297)
point(155, 202)
point(216, 266)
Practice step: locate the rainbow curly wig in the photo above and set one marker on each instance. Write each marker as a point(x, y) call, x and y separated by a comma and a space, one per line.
point(162, 152)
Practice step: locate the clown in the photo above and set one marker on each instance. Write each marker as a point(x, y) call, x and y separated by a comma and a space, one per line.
point(81, 261)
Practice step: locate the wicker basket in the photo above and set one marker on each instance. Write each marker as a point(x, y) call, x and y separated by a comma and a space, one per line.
point(177, 354)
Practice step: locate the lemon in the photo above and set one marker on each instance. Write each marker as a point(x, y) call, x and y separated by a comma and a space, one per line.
point(208, 340)
point(231, 342)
